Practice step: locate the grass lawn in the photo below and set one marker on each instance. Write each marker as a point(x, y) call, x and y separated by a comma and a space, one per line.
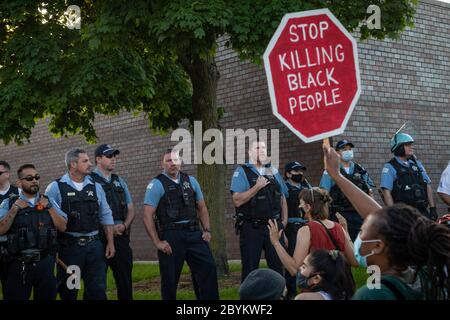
point(146, 282)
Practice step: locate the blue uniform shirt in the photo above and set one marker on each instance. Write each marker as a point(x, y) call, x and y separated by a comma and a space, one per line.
point(105, 213)
point(4, 208)
point(327, 183)
point(155, 190)
point(389, 175)
point(239, 182)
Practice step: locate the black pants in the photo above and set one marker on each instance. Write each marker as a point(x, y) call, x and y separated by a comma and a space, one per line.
point(38, 276)
point(291, 235)
point(122, 265)
point(354, 223)
point(91, 261)
point(3, 271)
point(190, 247)
point(253, 239)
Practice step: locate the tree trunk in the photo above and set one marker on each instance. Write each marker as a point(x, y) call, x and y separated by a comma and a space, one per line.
point(204, 76)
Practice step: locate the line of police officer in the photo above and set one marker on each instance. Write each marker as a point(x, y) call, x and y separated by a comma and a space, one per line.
point(175, 217)
point(82, 220)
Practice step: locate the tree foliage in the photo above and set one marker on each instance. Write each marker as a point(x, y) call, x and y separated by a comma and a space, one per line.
point(128, 55)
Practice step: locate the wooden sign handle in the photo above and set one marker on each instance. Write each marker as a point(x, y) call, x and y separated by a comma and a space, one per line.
point(326, 143)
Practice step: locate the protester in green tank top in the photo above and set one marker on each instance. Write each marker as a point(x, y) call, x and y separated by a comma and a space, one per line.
point(412, 251)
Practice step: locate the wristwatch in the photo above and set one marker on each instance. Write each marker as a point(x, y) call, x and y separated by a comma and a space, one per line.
point(207, 230)
point(49, 205)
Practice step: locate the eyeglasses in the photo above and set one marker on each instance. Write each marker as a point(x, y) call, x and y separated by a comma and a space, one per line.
point(109, 156)
point(31, 178)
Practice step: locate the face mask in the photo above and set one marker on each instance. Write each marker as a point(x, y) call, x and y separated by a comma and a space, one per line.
point(297, 178)
point(347, 155)
point(362, 260)
point(302, 281)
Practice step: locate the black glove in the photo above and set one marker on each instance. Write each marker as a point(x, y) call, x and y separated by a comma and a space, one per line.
point(433, 213)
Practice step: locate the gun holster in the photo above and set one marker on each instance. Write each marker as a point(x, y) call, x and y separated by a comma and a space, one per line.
point(238, 221)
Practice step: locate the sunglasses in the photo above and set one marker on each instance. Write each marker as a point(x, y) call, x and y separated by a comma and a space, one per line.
point(109, 156)
point(31, 178)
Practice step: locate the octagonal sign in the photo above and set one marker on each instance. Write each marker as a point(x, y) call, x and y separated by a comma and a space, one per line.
point(312, 71)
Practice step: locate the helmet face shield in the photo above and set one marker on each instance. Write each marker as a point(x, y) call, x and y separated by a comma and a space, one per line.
point(399, 140)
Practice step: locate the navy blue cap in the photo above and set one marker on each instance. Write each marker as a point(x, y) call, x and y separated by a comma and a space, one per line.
point(341, 144)
point(105, 150)
point(294, 166)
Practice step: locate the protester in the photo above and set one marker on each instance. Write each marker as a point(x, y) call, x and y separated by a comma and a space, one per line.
point(325, 276)
point(318, 233)
point(262, 284)
point(412, 252)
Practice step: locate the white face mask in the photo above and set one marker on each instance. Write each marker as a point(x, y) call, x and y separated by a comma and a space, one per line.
point(347, 155)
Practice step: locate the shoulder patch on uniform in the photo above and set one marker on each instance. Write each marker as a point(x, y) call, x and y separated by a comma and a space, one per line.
point(150, 185)
point(236, 174)
point(385, 170)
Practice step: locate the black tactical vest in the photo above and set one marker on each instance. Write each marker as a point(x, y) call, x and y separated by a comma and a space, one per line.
point(266, 204)
point(410, 186)
point(340, 201)
point(12, 192)
point(293, 201)
point(115, 195)
point(31, 229)
point(81, 207)
point(178, 202)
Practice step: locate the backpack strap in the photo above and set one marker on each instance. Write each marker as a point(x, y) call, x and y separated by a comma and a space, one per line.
point(398, 295)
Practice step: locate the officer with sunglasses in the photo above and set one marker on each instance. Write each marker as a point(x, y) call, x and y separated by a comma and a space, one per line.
point(6, 190)
point(30, 222)
point(119, 199)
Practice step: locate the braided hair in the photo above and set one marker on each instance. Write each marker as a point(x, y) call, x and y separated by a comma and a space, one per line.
point(416, 241)
point(336, 276)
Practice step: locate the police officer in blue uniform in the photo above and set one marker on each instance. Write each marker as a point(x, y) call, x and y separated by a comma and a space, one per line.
point(30, 222)
point(84, 202)
point(404, 179)
point(259, 194)
point(356, 174)
point(6, 190)
point(294, 176)
point(173, 208)
point(119, 200)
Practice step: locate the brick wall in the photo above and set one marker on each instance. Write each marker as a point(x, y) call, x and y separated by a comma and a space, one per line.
point(405, 80)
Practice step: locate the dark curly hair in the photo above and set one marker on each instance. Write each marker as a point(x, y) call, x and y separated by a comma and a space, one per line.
point(414, 240)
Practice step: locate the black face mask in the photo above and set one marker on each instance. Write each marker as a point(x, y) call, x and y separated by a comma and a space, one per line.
point(297, 178)
point(302, 212)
